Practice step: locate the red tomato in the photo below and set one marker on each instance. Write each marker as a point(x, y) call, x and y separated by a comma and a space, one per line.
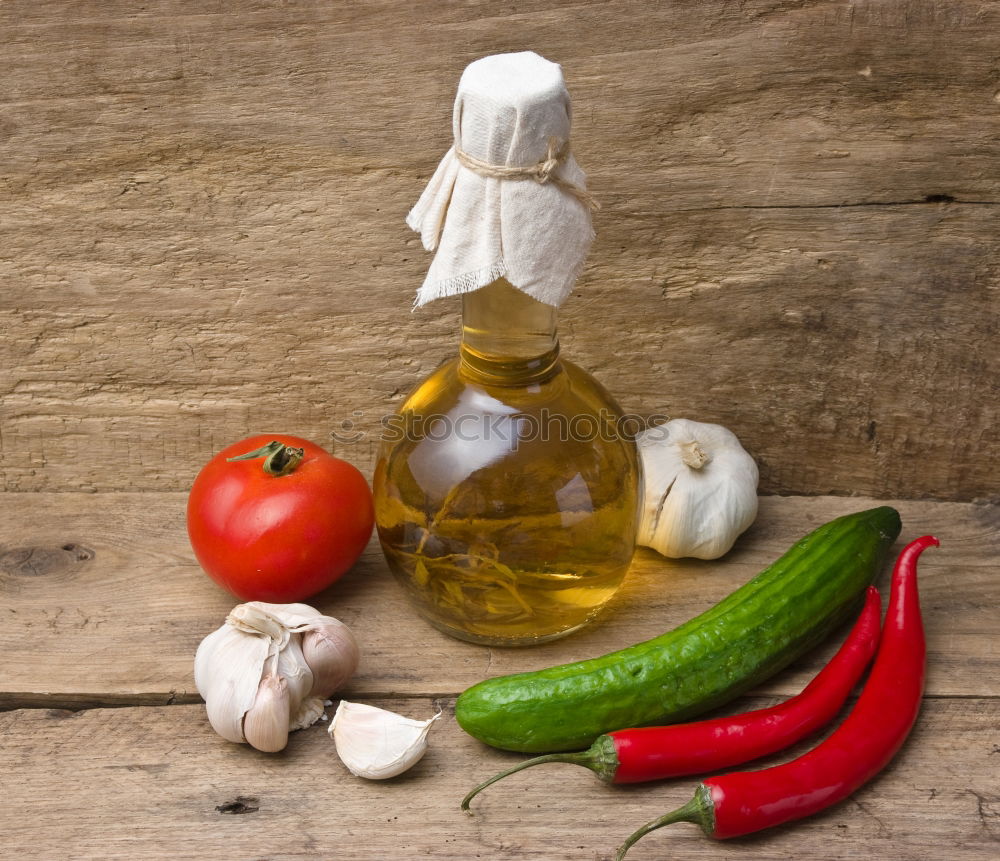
point(278, 538)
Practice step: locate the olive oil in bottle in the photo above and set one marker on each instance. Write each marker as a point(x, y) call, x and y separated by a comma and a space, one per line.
point(506, 494)
point(508, 507)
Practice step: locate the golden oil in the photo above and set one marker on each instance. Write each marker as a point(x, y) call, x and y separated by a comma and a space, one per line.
point(506, 491)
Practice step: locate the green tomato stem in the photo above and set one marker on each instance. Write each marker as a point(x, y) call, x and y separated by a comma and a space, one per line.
point(279, 459)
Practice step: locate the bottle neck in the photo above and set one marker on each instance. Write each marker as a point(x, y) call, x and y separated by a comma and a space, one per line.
point(508, 338)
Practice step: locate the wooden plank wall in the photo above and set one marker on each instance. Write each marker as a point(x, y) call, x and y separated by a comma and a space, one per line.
point(202, 203)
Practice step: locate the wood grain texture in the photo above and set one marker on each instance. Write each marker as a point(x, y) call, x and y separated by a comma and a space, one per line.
point(103, 603)
point(201, 212)
point(141, 783)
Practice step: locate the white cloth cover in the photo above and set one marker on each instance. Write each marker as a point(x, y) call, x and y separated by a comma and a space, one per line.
point(482, 228)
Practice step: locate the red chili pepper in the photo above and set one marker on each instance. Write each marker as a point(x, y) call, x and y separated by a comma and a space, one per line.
point(656, 753)
point(746, 801)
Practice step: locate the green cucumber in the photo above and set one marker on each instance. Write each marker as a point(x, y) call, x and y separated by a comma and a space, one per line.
point(753, 633)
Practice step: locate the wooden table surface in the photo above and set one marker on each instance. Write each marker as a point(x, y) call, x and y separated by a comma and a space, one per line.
point(106, 751)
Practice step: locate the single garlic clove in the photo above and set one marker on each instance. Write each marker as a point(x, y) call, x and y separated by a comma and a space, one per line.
point(265, 725)
point(332, 654)
point(375, 743)
point(292, 667)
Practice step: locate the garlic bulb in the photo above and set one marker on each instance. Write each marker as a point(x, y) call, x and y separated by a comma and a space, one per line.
point(700, 489)
point(375, 743)
point(267, 670)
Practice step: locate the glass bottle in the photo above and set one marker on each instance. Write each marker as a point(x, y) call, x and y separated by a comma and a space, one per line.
point(506, 493)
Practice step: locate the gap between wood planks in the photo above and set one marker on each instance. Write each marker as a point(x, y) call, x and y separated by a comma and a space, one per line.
point(928, 200)
point(80, 702)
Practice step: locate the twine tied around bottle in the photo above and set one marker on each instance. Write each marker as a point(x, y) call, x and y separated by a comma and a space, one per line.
point(542, 172)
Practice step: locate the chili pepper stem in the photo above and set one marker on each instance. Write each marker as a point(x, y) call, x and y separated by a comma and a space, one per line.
point(596, 758)
point(699, 810)
point(279, 459)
